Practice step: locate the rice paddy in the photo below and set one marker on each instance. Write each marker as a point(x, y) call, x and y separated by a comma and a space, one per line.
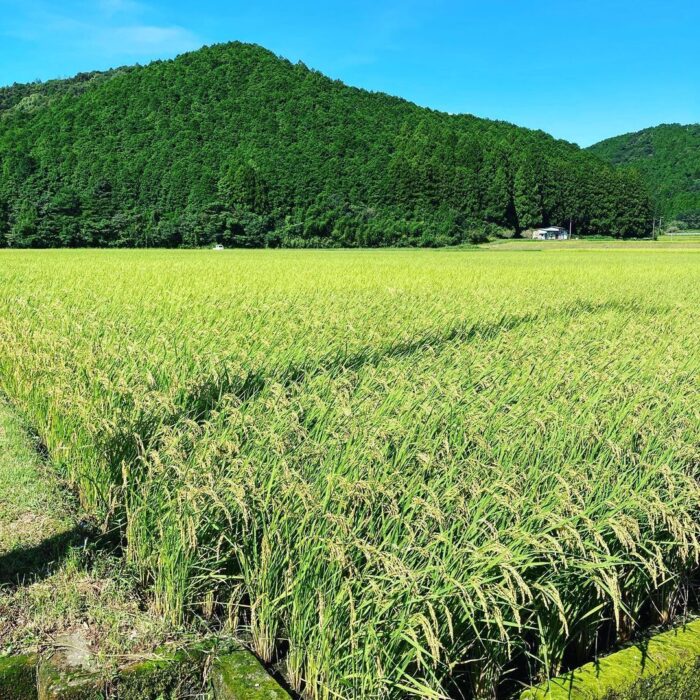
point(422, 474)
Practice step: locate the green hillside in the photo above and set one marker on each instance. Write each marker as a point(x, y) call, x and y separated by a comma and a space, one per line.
point(668, 157)
point(233, 144)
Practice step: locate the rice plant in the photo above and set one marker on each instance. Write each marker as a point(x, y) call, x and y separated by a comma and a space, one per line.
point(395, 473)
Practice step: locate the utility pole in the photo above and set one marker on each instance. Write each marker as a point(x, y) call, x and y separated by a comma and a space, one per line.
point(570, 228)
point(655, 229)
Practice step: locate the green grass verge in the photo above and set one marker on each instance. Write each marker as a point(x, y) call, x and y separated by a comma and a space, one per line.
point(32, 511)
point(52, 581)
point(664, 667)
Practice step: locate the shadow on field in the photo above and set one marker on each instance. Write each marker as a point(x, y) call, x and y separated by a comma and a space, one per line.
point(207, 394)
point(464, 332)
point(29, 564)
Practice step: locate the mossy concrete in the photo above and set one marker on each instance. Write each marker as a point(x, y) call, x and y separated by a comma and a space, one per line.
point(167, 676)
point(237, 675)
point(18, 678)
point(664, 667)
point(70, 673)
point(65, 675)
point(240, 676)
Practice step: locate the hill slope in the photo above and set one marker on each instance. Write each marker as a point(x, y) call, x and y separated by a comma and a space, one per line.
point(234, 144)
point(668, 157)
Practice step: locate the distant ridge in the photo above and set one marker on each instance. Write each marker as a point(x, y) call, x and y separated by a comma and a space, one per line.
point(668, 157)
point(233, 144)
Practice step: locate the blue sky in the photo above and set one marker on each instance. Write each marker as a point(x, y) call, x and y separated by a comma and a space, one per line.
point(582, 70)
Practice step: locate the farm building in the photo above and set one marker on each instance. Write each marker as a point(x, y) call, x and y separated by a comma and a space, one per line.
point(551, 233)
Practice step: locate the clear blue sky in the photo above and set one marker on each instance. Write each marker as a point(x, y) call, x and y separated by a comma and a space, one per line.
point(582, 70)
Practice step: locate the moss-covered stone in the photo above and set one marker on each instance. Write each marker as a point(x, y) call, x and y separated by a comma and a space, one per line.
point(168, 676)
point(18, 678)
point(171, 676)
point(664, 667)
point(59, 680)
point(240, 676)
point(69, 672)
point(237, 675)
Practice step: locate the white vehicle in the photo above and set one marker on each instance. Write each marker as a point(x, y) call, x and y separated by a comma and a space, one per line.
point(218, 246)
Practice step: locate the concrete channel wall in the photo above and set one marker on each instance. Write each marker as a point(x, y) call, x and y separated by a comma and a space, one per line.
point(235, 675)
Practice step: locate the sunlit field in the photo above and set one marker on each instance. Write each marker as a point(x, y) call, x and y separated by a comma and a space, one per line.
point(395, 473)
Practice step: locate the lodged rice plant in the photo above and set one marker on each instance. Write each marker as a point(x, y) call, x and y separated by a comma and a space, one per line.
point(419, 474)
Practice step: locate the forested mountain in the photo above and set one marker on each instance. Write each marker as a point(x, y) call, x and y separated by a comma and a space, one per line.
point(668, 157)
point(233, 144)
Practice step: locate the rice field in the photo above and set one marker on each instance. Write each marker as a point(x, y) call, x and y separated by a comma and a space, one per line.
point(422, 474)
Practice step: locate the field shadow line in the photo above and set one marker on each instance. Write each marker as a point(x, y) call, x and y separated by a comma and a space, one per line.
point(211, 391)
point(30, 564)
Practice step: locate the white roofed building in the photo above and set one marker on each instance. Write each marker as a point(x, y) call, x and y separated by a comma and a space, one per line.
point(551, 233)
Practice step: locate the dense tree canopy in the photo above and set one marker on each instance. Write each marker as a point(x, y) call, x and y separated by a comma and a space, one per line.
point(233, 144)
point(668, 157)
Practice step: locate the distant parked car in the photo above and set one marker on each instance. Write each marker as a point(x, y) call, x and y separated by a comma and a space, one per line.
point(218, 246)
